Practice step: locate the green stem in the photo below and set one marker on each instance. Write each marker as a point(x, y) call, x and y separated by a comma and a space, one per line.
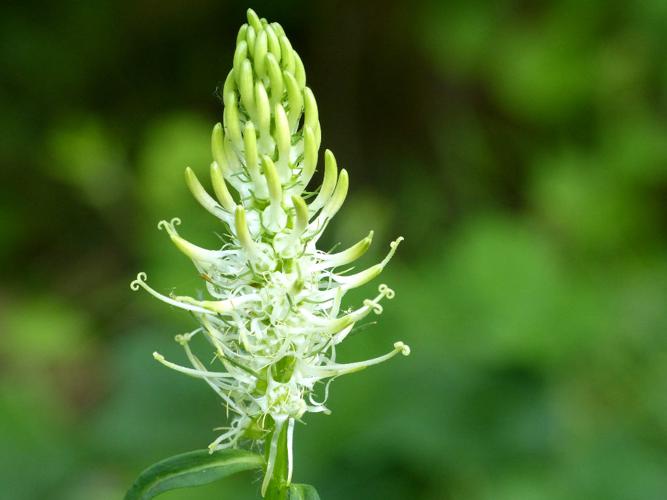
point(277, 489)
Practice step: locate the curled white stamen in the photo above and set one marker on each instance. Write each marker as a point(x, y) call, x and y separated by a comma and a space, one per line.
point(377, 308)
point(140, 281)
point(346, 256)
point(163, 224)
point(189, 371)
point(335, 369)
point(386, 291)
point(136, 283)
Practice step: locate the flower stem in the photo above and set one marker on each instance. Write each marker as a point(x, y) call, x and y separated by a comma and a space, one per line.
point(277, 489)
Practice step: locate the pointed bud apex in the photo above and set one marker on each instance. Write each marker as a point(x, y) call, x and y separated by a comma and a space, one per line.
point(347, 256)
point(253, 20)
point(349, 281)
point(278, 29)
point(194, 252)
point(200, 194)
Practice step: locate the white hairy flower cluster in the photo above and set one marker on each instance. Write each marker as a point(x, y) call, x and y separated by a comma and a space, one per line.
point(274, 316)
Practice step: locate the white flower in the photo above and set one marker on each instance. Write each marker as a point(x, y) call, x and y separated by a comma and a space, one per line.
point(273, 317)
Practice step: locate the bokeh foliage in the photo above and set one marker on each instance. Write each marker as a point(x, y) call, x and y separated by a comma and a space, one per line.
point(519, 146)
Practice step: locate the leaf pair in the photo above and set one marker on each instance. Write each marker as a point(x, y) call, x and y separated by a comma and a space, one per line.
point(200, 467)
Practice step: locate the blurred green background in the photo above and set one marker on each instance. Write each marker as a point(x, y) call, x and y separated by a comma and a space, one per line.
point(519, 146)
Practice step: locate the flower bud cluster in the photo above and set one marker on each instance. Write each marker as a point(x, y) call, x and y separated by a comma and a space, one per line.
point(273, 318)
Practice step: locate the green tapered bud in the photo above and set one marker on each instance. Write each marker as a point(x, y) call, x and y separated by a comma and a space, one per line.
point(275, 77)
point(295, 99)
point(220, 188)
point(259, 54)
point(328, 183)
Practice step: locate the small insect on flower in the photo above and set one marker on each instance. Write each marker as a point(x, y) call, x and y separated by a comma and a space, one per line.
point(273, 316)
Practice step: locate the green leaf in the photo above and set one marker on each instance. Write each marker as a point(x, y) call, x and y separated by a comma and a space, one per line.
point(192, 469)
point(302, 492)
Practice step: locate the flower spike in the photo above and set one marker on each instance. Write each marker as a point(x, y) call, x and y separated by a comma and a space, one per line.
point(272, 309)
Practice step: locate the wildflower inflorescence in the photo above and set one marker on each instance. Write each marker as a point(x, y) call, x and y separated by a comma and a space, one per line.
point(274, 316)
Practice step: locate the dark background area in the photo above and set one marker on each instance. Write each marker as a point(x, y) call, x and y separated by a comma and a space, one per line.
point(519, 146)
